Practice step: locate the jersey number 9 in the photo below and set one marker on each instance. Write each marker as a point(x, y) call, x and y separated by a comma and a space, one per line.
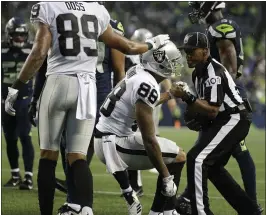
point(69, 40)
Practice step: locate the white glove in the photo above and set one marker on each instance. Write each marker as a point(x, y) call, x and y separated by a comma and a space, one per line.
point(185, 86)
point(169, 187)
point(10, 100)
point(158, 41)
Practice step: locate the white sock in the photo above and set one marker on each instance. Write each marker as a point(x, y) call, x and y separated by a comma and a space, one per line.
point(29, 173)
point(129, 189)
point(171, 212)
point(15, 170)
point(155, 213)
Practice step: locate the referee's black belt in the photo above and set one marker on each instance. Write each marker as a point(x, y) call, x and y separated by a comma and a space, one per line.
point(234, 110)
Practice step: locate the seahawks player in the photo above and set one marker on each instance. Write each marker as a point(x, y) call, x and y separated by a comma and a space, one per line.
point(226, 47)
point(117, 146)
point(14, 53)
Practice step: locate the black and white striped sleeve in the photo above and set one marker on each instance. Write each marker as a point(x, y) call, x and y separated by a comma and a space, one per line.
point(213, 87)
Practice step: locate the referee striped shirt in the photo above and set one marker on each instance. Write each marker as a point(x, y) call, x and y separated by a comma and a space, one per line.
point(214, 84)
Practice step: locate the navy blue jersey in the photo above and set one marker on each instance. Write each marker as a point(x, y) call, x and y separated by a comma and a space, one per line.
point(104, 63)
point(12, 61)
point(226, 29)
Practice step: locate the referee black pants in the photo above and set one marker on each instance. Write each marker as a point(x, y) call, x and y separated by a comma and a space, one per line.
point(206, 160)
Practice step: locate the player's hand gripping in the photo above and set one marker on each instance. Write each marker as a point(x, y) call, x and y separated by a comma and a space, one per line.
point(10, 100)
point(169, 187)
point(179, 89)
point(158, 41)
point(32, 113)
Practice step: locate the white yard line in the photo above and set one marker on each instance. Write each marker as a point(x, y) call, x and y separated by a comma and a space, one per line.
point(143, 176)
point(146, 194)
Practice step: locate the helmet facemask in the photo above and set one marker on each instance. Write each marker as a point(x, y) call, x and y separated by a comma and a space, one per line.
point(165, 61)
point(201, 11)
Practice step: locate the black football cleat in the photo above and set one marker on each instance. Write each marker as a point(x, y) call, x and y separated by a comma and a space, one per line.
point(14, 181)
point(61, 185)
point(26, 184)
point(183, 206)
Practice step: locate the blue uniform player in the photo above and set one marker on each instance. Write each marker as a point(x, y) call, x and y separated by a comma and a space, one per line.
point(110, 61)
point(14, 53)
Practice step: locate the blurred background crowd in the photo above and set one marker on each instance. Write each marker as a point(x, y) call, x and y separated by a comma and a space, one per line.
point(171, 18)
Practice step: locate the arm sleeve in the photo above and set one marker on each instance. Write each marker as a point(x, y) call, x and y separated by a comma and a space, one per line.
point(40, 79)
point(213, 90)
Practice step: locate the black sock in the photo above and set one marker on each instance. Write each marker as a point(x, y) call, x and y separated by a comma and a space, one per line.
point(27, 153)
point(12, 152)
point(46, 185)
point(159, 200)
point(174, 169)
point(248, 172)
point(133, 178)
point(122, 178)
point(83, 183)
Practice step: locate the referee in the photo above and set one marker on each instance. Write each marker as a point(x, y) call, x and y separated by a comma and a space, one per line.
point(221, 104)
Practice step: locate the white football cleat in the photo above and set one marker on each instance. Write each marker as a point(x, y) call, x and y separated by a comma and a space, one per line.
point(135, 208)
point(74, 209)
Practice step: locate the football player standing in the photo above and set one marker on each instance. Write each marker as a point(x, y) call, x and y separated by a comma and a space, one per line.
point(14, 53)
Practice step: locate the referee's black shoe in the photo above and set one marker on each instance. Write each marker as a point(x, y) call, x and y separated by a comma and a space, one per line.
point(60, 185)
point(258, 212)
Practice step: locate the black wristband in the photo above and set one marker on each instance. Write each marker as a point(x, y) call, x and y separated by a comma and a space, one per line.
point(150, 46)
point(189, 98)
point(18, 84)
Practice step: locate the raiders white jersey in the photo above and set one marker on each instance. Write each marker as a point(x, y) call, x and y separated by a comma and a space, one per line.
point(75, 28)
point(118, 110)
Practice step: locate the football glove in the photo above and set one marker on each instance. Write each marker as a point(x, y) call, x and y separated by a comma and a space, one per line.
point(169, 187)
point(32, 113)
point(10, 100)
point(158, 41)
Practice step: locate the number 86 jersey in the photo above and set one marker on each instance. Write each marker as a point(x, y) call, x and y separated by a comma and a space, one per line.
point(118, 110)
point(75, 28)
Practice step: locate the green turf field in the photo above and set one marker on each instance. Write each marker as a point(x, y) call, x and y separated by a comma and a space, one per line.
point(106, 197)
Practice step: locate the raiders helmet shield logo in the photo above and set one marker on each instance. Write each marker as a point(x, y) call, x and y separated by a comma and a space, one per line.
point(159, 56)
point(187, 38)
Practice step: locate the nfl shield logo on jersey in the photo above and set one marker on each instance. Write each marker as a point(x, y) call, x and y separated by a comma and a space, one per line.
point(159, 56)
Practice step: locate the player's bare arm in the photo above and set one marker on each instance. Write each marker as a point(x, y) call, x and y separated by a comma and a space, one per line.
point(146, 126)
point(118, 65)
point(197, 105)
point(37, 55)
point(228, 56)
point(116, 41)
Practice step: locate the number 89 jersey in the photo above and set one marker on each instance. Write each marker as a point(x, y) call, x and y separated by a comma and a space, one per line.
point(118, 110)
point(75, 28)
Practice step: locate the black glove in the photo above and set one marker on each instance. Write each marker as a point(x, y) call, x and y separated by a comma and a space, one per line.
point(195, 121)
point(32, 112)
point(193, 125)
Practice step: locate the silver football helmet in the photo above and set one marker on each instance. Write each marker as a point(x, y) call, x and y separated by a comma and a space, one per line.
point(165, 61)
point(140, 35)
